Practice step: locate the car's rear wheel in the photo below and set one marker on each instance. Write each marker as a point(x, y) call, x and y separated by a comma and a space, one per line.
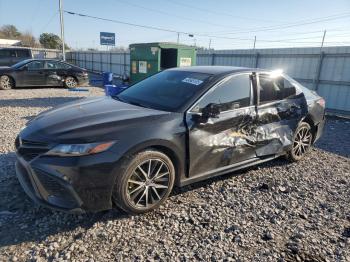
point(144, 183)
point(6, 82)
point(70, 82)
point(302, 141)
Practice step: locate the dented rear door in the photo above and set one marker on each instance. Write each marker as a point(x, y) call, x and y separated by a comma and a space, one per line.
point(280, 108)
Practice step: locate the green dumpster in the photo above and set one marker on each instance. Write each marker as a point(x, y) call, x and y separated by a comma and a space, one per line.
point(149, 58)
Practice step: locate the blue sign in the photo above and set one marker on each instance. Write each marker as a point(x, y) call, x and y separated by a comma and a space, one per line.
point(107, 38)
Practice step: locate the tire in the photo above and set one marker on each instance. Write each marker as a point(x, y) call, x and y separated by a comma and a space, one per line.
point(144, 182)
point(6, 82)
point(70, 82)
point(302, 142)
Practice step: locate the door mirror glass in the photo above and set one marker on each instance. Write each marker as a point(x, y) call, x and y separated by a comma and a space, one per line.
point(211, 111)
point(24, 68)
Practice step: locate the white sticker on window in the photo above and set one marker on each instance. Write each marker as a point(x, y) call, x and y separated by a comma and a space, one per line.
point(143, 67)
point(185, 61)
point(192, 81)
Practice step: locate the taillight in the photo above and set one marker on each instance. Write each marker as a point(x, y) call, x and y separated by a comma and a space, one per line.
point(321, 102)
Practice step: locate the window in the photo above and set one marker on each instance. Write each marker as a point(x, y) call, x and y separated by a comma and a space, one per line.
point(51, 65)
point(57, 65)
point(23, 53)
point(7, 53)
point(274, 88)
point(35, 65)
point(167, 90)
point(63, 66)
point(233, 93)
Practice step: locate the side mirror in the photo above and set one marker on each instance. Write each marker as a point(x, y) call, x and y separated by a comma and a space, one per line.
point(211, 111)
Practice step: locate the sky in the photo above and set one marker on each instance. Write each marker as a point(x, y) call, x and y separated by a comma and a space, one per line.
point(220, 24)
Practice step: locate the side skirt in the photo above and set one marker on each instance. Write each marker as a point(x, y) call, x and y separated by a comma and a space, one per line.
point(226, 169)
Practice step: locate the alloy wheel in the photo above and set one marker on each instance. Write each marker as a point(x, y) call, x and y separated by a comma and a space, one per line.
point(5, 82)
point(70, 82)
point(148, 183)
point(302, 141)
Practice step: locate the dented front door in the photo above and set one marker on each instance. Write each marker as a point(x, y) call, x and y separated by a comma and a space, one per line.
point(221, 141)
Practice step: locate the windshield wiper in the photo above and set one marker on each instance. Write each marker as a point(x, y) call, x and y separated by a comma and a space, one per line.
point(137, 104)
point(129, 102)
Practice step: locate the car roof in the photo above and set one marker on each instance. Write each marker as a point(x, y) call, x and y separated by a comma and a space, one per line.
point(45, 59)
point(213, 70)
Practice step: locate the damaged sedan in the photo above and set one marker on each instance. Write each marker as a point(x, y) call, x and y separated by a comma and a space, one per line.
point(177, 127)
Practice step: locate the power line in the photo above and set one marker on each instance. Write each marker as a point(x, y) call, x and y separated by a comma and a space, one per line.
point(296, 24)
point(220, 13)
point(49, 21)
point(174, 15)
point(183, 32)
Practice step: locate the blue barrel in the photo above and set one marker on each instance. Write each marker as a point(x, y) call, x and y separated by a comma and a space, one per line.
point(107, 78)
point(112, 90)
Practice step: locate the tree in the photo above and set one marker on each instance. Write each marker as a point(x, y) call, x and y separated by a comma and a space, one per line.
point(50, 40)
point(9, 31)
point(27, 39)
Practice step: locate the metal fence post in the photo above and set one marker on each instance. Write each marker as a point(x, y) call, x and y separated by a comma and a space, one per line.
point(318, 71)
point(257, 59)
point(84, 60)
point(110, 61)
point(213, 59)
point(124, 65)
point(92, 61)
point(101, 64)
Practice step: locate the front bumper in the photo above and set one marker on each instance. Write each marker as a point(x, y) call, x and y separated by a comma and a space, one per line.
point(47, 190)
point(320, 127)
point(71, 184)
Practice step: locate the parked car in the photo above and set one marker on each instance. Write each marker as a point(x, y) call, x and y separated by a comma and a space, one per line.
point(42, 72)
point(176, 127)
point(11, 56)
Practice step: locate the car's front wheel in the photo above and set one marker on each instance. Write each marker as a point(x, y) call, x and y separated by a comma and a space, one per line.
point(6, 82)
point(302, 141)
point(145, 181)
point(70, 82)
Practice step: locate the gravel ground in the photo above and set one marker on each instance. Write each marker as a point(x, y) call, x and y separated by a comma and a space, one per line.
point(277, 211)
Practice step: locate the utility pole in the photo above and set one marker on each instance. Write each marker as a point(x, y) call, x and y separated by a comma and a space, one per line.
point(209, 43)
point(254, 42)
point(62, 30)
point(324, 36)
point(178, 37)
point(316, 79)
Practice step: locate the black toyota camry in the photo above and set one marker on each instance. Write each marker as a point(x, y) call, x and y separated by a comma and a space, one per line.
point(176, 127)
point(42, 72)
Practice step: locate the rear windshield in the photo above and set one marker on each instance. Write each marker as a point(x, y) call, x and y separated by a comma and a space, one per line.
point(23, 53)
point(21, 63)
point(167, 90)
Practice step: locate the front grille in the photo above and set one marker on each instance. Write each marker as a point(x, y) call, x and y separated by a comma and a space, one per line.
point(17, 142)
point(28, 143)
point(30, 149)
point(25, 176)
point(30, 153)
point(54, 188)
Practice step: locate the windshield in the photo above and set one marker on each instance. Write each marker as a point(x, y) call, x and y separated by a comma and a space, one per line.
point(19, 64)
point(167, 90)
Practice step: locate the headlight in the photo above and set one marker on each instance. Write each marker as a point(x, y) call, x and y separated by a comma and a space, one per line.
point(80, 149)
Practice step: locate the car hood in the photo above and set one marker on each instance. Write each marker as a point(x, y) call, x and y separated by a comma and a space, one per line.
point(5, 68)
point(88, 120)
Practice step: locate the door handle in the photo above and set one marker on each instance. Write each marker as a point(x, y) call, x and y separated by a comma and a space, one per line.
point(293, 107)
